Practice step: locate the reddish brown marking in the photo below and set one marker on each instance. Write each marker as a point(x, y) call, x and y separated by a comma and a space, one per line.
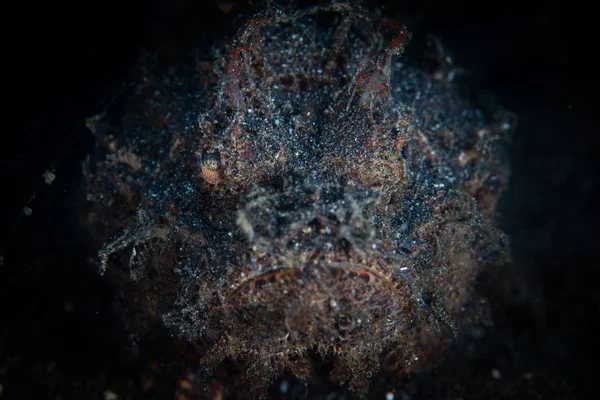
point(173, 208)
point(398, 41)
point(402, 33)
point(255, 23)
point(234, 70)
point(364, 79)
point(369, 144)
point(272, 277)
point(235, 65)
point(298, 273)
point(361, 273)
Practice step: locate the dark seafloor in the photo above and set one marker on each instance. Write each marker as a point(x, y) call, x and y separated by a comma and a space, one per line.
point(60, 333)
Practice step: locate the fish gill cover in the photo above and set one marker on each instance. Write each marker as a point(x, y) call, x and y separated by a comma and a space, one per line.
point(305, 195)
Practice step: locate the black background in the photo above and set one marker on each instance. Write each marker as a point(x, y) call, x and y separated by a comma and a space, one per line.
point(536, 58)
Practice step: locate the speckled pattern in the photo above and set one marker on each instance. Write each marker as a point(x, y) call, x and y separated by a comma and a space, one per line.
point(351, 217)
point(70, 333)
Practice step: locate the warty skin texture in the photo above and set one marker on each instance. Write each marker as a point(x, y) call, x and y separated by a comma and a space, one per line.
point(306, 196)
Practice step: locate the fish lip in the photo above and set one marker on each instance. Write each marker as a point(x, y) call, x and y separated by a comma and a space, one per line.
point(309, 270)
point(315, 304)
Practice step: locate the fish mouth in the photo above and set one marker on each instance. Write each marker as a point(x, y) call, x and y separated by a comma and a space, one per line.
point(301, 276)
point(317, 304)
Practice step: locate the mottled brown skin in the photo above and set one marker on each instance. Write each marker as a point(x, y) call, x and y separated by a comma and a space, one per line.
point(304, 214)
